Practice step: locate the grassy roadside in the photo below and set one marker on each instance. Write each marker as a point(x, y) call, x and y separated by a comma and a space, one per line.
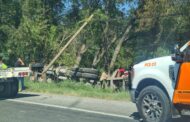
point(72, 88)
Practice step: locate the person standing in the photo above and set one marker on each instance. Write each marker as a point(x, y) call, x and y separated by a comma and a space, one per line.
point(20, 63)
point(103, 80)
point(120, 72)
point(2, 65)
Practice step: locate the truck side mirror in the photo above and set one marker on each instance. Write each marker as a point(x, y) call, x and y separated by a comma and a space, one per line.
point(177, 56)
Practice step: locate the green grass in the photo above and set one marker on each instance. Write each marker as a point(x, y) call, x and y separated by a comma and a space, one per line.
point(73, 88)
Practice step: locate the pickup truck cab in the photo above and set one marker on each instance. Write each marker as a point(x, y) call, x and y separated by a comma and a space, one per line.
point(160, 87)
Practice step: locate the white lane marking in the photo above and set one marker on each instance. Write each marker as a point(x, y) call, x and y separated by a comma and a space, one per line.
point(69, 108)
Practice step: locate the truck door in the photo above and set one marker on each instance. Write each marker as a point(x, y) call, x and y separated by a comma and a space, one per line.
point(182, 89)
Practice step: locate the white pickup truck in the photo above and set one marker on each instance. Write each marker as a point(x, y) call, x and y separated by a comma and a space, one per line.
point(160, 87)
point(9, 82)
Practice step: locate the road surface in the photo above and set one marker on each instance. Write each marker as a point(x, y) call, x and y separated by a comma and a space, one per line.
point(18, 112)
point(29, 107)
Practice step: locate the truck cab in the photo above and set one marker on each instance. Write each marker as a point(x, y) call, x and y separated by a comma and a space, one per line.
point(160, 87)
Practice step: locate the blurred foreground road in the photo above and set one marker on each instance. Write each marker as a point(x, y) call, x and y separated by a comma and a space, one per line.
point(30, 107)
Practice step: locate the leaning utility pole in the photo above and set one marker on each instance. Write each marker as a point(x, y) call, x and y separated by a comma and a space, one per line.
point(67, 44)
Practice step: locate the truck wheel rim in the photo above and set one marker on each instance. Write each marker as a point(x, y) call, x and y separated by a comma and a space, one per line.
point(152, 107)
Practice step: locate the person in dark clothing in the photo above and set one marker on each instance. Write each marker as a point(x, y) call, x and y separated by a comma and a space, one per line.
point(20, 63)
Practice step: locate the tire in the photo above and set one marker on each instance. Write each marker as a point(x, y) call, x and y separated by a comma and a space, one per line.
point(85, 70)
point(6, 91)
point(37, 65)
point(89, 76)
point(14, 88)
point(151, 101)
point(75, 74)
point(49, 72)
point(83, 75)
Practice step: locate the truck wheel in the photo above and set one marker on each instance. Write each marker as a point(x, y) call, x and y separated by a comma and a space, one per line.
point(14, 88)
point(5, 89)
point(75, 74)
point(89, 76)
point(86, 70)
point(153, 105)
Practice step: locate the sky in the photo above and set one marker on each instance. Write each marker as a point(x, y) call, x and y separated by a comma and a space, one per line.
point(125, 8)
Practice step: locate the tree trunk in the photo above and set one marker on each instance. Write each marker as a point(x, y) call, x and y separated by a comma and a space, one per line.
point(104, 45)
point(118, 47)
point(101, 52)
point(79, 55)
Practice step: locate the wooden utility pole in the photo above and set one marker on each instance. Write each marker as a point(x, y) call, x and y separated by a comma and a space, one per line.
point(67, 44)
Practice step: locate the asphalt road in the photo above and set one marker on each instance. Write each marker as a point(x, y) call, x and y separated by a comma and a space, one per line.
point(20, 112)
point(30, 107)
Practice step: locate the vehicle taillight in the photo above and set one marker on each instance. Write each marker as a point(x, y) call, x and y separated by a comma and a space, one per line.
point(23, 73)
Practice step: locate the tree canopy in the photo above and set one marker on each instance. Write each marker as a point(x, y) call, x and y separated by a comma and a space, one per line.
point(37, 29)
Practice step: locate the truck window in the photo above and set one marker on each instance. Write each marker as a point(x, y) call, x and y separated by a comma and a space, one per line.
point(186, 57)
